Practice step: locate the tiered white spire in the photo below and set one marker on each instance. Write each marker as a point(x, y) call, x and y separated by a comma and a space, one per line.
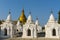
point(37, 22)
point(51, 19)
point(18, 23)
point(29, 18)
point(9, 17)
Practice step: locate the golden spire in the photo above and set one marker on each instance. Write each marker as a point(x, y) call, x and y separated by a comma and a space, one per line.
point(22, 18)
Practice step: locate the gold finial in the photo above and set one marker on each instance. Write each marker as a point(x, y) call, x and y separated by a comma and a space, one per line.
point(22, 18)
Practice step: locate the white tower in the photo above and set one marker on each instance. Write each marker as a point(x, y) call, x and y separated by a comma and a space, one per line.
point(51, 28)
point(7, 27)
point(29, 29)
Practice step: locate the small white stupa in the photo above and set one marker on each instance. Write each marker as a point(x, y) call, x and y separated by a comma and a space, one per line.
point(8, 17)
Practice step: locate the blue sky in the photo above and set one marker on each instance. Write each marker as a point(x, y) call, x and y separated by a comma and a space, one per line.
point(38, 8)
